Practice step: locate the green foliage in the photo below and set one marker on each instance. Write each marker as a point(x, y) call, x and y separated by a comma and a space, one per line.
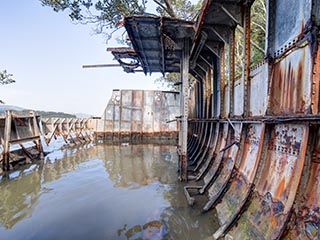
point(258, 30)
point(257, 37)
point(5, 78)
point(55, 114)
point(183, 9)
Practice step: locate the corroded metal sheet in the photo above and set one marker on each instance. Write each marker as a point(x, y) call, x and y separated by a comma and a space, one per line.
point(297, 13)
point(211, 153)
point(238, 98)
point(258, 91)
point(240, 187)
point(203, 146)
point(148, 111)
point(226, 108)
point(138, 112)
point(273, 197)
point(291, 84)
point(203, 163)
point(218, 155)
point(305, 221)
point(200, 136)
point(229, 159)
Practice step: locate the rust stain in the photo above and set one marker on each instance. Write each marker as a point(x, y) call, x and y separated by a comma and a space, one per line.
point(288, 88)
point(305, 221)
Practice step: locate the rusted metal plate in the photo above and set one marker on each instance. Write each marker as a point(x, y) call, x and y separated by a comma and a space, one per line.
point(211, 152)
point(208, 153)
point(238, 97)
point(258, 91)
point(316, 84)
point(291, 84)
point(203, 144)
point(226, 107)
point(237, 194)
point(138, 112)
point(200, 136)
point(297, 13)
point(273, 197)
point(218, 155)
point(228, 163)
point(305, 221)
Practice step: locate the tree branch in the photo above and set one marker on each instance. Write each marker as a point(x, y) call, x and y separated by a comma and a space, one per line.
point(169, 9)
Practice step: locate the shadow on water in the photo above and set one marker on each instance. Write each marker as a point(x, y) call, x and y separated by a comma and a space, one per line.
point(101, 192)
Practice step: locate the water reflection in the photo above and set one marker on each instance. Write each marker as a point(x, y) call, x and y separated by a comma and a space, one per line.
point(101, 192)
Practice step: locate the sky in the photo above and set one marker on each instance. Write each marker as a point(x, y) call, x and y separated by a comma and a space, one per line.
point(45, 52)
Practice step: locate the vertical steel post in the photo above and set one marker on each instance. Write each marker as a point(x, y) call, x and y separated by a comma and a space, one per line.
point(7, 132)
point(184, 110)
point(222, 81)
point(246, 64)
point(232, 71)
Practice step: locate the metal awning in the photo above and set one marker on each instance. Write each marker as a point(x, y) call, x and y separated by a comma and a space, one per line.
point(157, 42)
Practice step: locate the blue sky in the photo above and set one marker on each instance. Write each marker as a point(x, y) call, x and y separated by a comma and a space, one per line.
point(44, 51)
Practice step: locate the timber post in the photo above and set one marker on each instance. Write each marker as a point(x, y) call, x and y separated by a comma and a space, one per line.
point(37, 133)
point(7, 131)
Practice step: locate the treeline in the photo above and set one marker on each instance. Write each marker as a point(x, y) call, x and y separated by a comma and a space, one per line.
point(55, 114)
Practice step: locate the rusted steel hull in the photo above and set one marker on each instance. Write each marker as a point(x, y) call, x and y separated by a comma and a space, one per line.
point(202, 169)
point(135, 114)
point(305, 220)
point(231, 205)
point(270, 205)
point(215, 163)
point(199, 158)
point(217, 188)
point(253, 189)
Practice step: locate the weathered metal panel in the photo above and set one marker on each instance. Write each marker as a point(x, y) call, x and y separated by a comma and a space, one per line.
point(226, 108)
point(157, 111)
point(228, 163)
point(297, 13)
point(291, 84)
point(206, 146)
point(305, 220)
point(211, 152)
point(148, 112)
point(316, 83)
point(125, 108)
point(236, 196)
point(218, 155)
point(258, 91)
point(238, 97)
point(137, 111)
point(273, 197)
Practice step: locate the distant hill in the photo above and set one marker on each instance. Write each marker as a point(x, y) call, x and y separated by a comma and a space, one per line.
point(83, 115)
point(55, 114)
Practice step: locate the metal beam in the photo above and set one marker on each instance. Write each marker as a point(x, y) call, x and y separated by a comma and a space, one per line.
point(184, 111)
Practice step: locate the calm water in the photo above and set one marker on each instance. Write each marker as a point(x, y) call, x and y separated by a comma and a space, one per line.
point(101, 192)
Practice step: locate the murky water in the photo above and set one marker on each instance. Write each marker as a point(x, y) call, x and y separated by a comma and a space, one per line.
point(101, 192)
